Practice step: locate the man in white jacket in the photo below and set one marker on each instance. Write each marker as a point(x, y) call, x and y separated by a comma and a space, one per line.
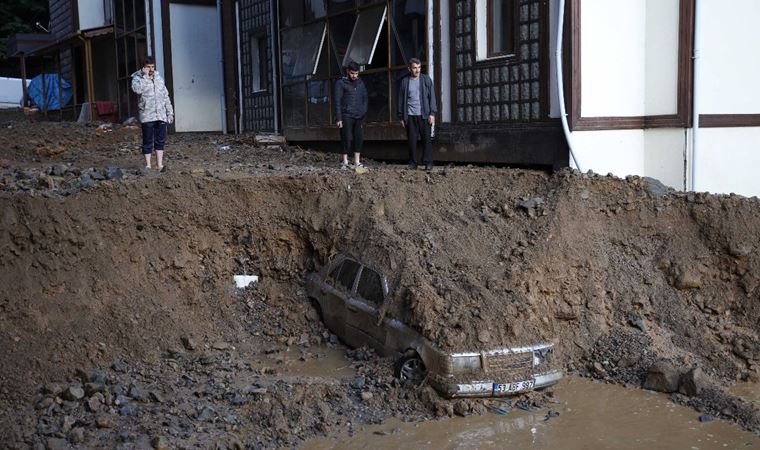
point(155, 110)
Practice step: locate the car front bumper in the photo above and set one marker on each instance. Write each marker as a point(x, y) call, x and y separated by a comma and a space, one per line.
point(453, 389)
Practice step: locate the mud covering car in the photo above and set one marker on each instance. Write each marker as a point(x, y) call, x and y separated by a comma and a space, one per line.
point(349, 296)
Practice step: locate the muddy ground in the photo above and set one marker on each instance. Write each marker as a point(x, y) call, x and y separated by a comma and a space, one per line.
point(120, 327)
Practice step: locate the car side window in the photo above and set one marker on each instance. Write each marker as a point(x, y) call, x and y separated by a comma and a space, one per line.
point(347, 273)
point(335, 272)
point(371, 286)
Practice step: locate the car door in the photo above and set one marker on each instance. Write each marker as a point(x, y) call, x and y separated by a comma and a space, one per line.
point(362, 309)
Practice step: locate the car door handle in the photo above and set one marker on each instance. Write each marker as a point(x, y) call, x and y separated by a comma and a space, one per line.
point(352, 308)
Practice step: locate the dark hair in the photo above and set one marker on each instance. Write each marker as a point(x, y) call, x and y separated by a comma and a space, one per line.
point(414, 61)
point(352, 66)
point(149, 60)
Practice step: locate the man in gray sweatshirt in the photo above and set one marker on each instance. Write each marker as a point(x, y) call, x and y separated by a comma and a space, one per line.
point(416, 110)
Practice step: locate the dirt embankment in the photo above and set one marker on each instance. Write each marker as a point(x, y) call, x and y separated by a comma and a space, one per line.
point(631, 280)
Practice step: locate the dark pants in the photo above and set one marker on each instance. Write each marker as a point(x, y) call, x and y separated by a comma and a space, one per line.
point(417, 126)
point(352, 135)
point(154, 136)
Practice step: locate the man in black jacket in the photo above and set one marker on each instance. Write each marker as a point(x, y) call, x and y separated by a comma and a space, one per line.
point(417, 110)
point(350, 108)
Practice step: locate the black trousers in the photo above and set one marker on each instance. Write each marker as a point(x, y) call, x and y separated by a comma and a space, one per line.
point(418, 127)
point(153, 136)
point(352, 135)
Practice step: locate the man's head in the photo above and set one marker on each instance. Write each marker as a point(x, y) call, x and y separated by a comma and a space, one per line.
point(149, 63)
point(415, 67)
point(352, 70)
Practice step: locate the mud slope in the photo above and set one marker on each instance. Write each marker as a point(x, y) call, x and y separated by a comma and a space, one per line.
point(621, 274)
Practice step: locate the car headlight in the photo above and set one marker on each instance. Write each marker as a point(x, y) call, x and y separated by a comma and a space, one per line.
point(467, 364)
point(542, 356)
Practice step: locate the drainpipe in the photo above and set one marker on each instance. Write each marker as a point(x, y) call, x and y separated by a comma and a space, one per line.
point(695, 94)
point(221, 67)
point(239, 121)
point(560, 83)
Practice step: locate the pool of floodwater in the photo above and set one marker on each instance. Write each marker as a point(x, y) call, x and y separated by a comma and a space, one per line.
point(593, 415)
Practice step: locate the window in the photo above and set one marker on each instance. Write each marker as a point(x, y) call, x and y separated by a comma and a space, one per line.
point(301, 48)
point(259, 62)
point(364, 37)
point(348, 273)
point(497, 38)
point(371, 286)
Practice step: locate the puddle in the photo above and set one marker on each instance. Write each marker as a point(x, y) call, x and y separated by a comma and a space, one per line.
point(316, 361)
point(748, 391)
point(592, 415)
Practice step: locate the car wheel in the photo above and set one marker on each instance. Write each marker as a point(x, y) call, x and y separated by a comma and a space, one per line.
point(410, 369)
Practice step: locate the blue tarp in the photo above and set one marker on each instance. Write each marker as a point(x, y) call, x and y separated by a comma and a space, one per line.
point(51, 91)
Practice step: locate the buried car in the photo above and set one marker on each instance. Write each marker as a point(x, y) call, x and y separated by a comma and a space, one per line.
point(349, 295)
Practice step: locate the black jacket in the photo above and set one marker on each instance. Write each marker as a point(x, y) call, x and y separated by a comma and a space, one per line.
point(427, 97)
point(350, 99)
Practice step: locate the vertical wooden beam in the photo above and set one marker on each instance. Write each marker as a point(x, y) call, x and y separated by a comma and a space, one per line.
point(60, 84)
point(25, 92)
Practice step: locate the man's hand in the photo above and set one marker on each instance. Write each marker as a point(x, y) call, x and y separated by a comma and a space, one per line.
point(171, 118)
point(431, 119)
point(403, 124)
point(339, 124)
point(145, 71)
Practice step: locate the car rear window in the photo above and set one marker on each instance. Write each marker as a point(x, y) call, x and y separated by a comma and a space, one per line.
point(347, 273)
point(371, 286)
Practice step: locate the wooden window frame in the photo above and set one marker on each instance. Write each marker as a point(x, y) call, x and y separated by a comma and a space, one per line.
point(513, 7)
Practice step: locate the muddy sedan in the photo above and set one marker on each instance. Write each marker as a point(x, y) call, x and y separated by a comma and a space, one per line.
point(349, 295)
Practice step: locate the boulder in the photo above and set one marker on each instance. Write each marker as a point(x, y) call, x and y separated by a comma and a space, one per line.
point(692, 382)
point(662, 377)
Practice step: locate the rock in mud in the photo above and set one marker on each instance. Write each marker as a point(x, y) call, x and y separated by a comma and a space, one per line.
point(74, 393)
point(692, 382)
point(688, 279)
point(159, 443)
point(188, 343)
point(114, 173)
point(662, 377)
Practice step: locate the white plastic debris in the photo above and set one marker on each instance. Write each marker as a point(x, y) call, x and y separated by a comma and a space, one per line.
point(242, 281)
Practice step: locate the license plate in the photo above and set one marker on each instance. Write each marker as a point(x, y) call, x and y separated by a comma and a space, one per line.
point(518, 386)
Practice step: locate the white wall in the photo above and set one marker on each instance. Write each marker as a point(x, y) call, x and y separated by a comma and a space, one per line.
point(629, 57)
point(730, 57)
point(620, 152)
point(91, 14)
point(195, 67)
point(728, 160)
point(11, 92)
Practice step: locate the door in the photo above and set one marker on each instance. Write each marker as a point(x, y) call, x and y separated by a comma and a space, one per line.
point(196, 74)
point(362, 312)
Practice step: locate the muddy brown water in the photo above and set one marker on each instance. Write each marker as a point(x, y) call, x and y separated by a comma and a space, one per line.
point(592, 416)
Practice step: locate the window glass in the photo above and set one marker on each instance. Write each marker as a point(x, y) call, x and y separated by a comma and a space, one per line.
point(348, 273)
point(294, 102)
point(377, 93)
point(301, 48)
point(258, 63)
point(293, 15)
point(314, 9)
point(370, 286)
point(409, 29)
point(334, 6)
point(361, 47)
point(335, 272)
point(139, 13)
point(129, 15)
point(319, 107)
point(380, 58)
point(340, 27)
point(500, 21)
